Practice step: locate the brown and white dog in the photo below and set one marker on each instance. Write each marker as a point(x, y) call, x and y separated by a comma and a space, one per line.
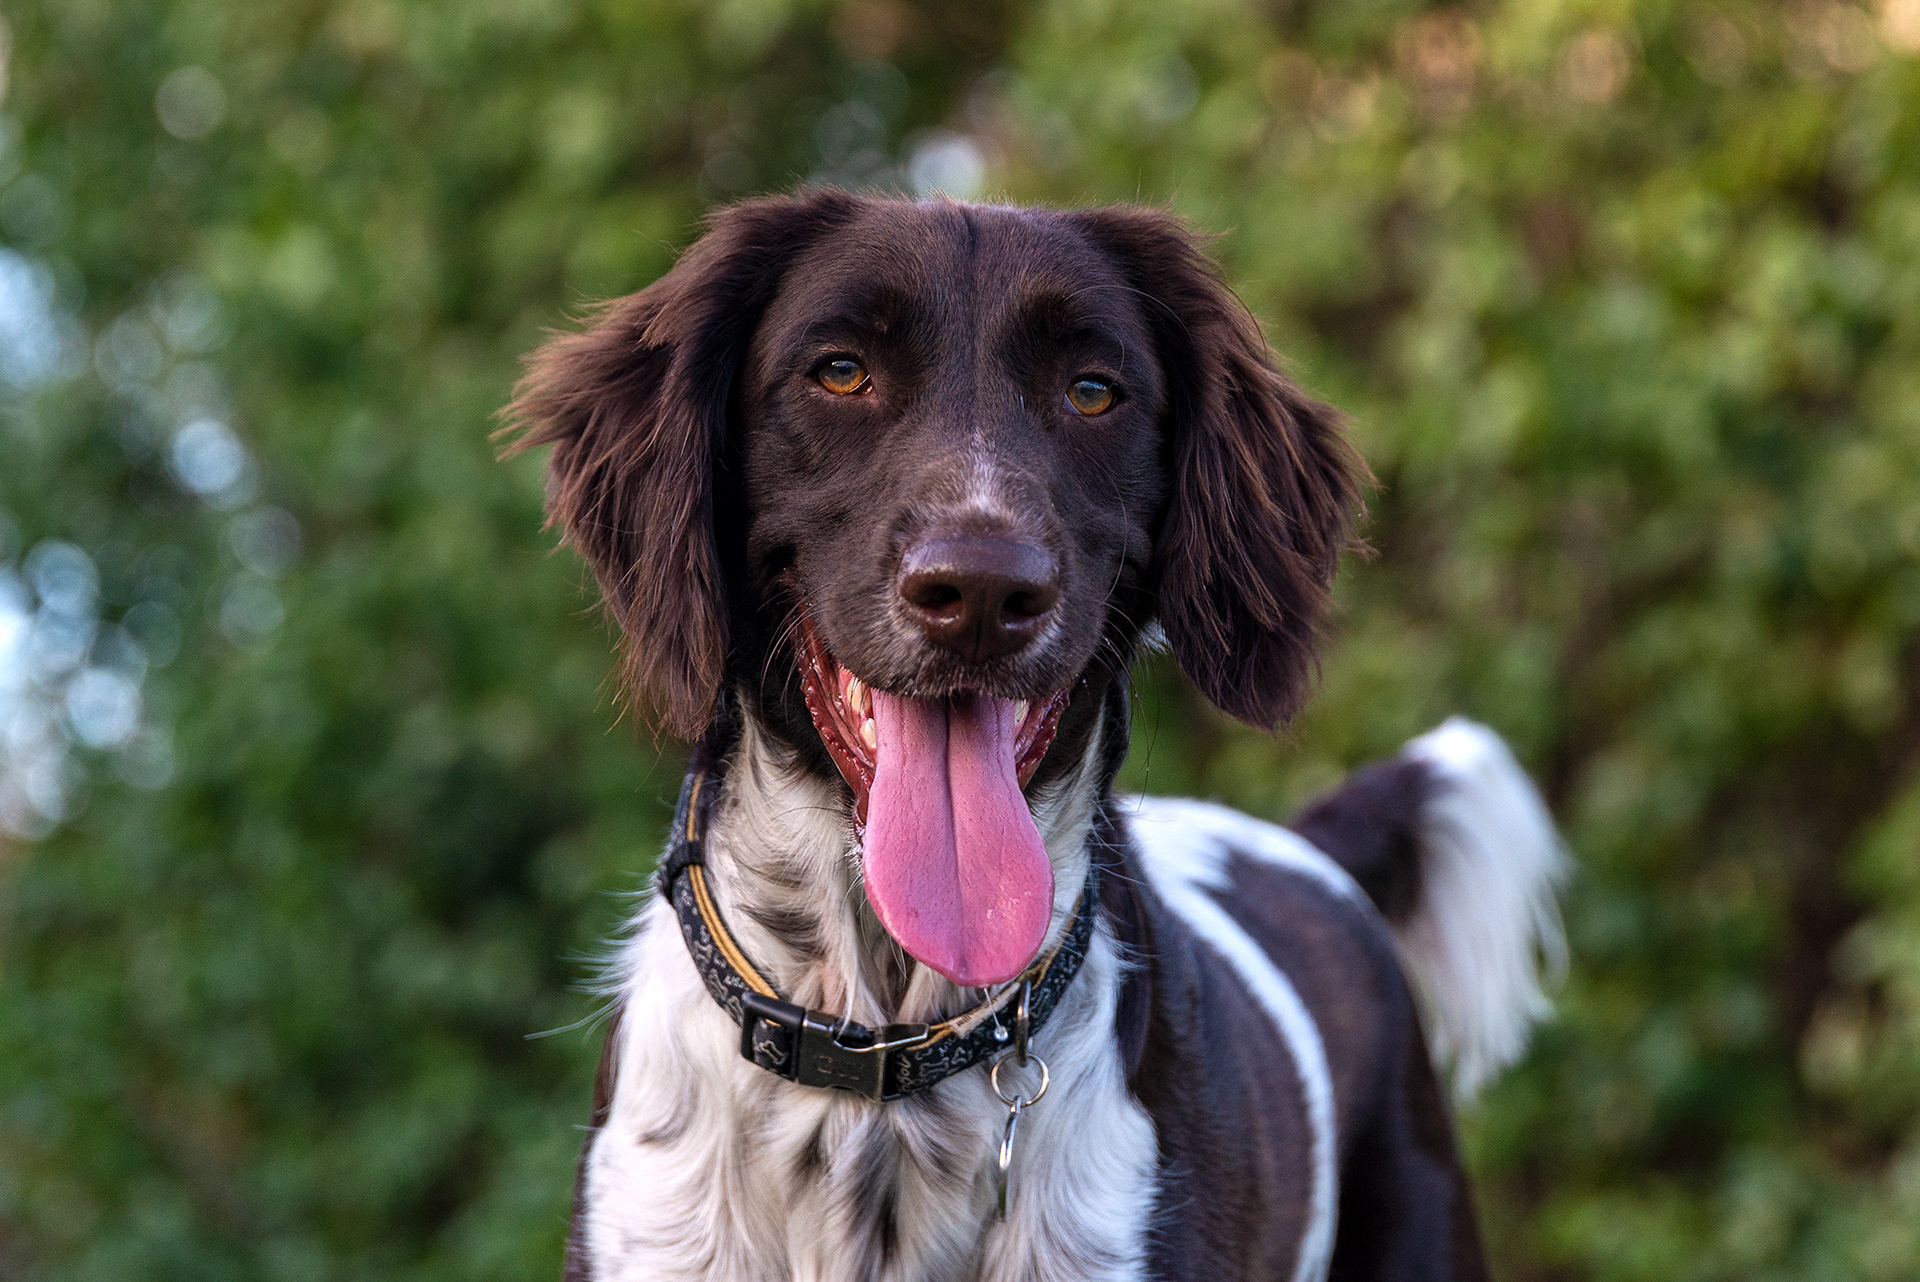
point(885, 497)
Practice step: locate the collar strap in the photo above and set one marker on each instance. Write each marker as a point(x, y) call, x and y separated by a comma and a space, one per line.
point(815, 1049)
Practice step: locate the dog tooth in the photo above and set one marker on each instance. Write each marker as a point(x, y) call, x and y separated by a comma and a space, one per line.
point(869, 735)
point(857, 695)
point(1020, 711)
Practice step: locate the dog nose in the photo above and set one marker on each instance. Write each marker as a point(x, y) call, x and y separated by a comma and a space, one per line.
point(978, 596)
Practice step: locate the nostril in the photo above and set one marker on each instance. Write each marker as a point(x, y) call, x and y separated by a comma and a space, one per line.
point(1028, 603)
point(936, 598)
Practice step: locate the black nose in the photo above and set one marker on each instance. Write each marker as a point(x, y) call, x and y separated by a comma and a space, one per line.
point(978, 596)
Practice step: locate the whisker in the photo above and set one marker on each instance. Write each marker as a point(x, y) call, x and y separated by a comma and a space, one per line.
point(783, 639)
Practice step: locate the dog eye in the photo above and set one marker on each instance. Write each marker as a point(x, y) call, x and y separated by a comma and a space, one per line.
point(1091, 396)
point(843, 376)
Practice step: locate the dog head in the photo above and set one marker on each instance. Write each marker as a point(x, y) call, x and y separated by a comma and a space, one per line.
point(912, 479)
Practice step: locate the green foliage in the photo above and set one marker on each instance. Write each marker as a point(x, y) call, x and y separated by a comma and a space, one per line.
point(1622, 300)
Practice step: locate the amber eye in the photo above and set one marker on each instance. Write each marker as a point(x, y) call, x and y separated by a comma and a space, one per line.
point(1090, 396)
point(843, 376)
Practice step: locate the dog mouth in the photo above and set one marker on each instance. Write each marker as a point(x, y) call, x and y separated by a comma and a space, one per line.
point(951, 859)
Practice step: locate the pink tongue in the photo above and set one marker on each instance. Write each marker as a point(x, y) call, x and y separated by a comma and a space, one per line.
point(954, 866)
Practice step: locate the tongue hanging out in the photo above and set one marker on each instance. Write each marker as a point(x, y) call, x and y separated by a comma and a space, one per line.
point(954, 866)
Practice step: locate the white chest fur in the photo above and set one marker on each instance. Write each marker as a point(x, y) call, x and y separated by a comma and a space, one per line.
point(709, 1167)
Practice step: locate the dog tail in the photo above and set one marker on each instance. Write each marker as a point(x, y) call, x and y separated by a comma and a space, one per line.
point(1455, 847)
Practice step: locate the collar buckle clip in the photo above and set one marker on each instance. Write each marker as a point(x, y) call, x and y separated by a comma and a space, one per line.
point(806, 1047)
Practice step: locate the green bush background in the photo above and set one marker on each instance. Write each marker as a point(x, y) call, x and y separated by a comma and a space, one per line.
point(1623, 298)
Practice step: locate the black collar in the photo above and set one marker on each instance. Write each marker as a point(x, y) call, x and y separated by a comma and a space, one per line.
point(813, 1049)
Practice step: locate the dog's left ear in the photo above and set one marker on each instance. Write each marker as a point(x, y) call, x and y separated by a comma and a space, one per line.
point(1265, 488)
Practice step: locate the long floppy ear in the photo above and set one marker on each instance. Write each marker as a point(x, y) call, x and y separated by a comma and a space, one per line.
point(636, 409)
point(1265, 488)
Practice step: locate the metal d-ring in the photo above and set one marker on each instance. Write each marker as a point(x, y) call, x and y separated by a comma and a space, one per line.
point(1015, 1101)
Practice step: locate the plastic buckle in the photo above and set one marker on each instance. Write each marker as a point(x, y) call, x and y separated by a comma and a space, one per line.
point(822, 1052)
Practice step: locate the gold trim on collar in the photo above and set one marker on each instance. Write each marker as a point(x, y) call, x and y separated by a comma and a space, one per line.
point(721, 939)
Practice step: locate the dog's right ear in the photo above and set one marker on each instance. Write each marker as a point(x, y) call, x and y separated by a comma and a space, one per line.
point(636, 408)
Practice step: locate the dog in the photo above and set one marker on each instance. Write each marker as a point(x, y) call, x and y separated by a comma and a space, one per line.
point(886, 497)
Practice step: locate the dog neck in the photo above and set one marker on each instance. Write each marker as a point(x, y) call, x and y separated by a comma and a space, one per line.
point(783, 858)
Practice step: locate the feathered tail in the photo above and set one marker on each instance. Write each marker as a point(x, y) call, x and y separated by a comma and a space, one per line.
point(1454, 845)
